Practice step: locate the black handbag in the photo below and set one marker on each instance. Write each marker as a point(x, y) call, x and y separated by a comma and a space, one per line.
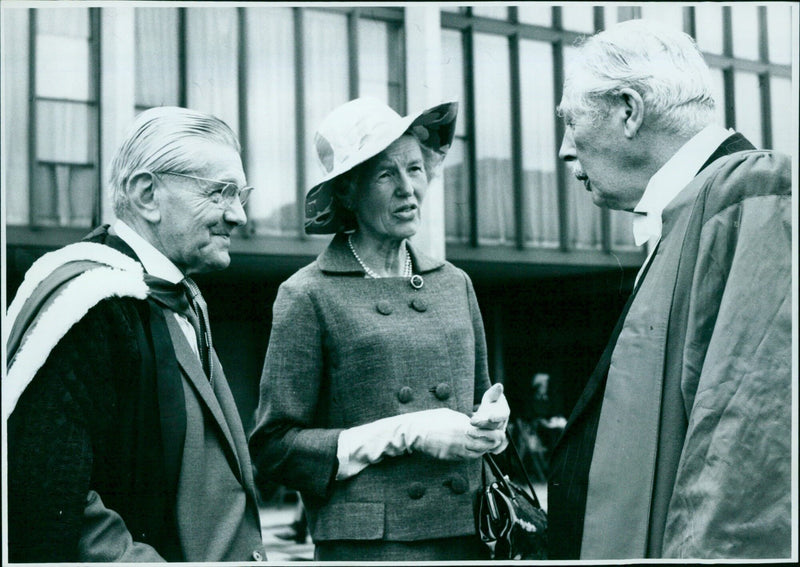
point(507, 517)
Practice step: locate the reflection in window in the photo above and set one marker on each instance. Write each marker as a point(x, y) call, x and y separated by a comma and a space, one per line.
point(212, 66)
point(496, 12)
point(782, 108)
point(157, 69)
point(709, 28)
point(779, 31)
point(65, 185)
point(540, 224)
point(493, 140)
point(621, 230)
point(456, 173)
point(271, 142)
point(748, 107)
point(745, 31)
point(326, 74)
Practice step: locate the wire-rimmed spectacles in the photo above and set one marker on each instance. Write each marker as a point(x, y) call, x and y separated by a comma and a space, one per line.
point(225, 192)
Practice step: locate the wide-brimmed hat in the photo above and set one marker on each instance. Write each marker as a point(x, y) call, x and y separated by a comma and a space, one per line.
point(358, 130)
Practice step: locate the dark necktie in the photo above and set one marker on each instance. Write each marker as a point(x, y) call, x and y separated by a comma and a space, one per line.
point(185, 298)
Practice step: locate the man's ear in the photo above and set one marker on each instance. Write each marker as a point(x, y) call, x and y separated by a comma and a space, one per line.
point(633, 109)
point(142, 196)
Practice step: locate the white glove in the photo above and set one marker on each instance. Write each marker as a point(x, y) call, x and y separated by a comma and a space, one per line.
point(493, 414)
point(440, 433)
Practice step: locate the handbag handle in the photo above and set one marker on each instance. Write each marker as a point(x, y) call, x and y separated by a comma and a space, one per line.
point(502, 478)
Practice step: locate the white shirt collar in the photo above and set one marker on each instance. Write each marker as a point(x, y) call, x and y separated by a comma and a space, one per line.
point(154, 262)
point(673, 176)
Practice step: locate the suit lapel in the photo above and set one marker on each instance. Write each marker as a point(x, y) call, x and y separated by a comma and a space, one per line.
point(193, 370)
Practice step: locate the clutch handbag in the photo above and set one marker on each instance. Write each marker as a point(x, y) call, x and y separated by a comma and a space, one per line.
point(508, 518)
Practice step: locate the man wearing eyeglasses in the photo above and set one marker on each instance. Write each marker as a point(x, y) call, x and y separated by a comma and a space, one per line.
point(124, 441)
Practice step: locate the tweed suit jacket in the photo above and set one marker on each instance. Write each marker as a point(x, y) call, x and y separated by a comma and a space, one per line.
point(345, 351)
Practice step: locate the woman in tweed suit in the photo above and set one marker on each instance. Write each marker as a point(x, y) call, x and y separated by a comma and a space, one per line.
point(377, 357)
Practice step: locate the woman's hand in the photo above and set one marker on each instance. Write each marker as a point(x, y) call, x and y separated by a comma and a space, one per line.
point(447, 434)
point(493, 414)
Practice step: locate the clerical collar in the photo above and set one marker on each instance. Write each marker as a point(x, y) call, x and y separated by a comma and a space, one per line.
point(670, 180)
point(154, 262)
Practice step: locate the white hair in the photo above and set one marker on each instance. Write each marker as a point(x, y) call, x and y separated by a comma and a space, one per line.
point(663, 65)
point(156, 142)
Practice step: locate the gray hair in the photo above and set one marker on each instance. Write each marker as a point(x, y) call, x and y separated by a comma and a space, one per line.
point(156, 143)
point(663, 65)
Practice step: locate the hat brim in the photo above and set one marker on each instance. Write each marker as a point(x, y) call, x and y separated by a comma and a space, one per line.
point(435, 127)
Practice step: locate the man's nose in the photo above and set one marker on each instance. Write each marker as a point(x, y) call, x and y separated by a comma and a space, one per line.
point(567, 149)
point(234, 213)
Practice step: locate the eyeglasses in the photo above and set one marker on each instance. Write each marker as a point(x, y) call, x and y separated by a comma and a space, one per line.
point(225, 193)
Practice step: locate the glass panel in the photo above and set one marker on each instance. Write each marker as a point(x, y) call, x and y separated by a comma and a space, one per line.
point(16, 63)
point(327, 76)
point(584, 216)
point(64, 132)
point(157, 75)
point(456, 173)
point(779, 31)
point(496, 12)
point(456, 193)
point(622, 230)
point(540, 192)
point(782, 108)
point(745, 30)
point(534, 13)
point(578, 18)
point(493, 140)
point(748, 106)
point(452, 8)
point(70, 22)
point(212, 66)
point(271, 142)
point(670, 15)
point(718, 90)
point(453, 74)
point(373, 59)
point(63, 67)
point(708, 20)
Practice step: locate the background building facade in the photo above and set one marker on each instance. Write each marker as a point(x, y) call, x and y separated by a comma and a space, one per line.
point(551, 270)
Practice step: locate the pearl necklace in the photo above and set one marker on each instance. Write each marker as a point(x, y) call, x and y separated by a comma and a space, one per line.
point(407, 270)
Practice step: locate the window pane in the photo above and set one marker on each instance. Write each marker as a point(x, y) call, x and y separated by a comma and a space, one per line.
point(583, 214)
point(16, 61)
point(670, 15)
point(540, 192)
point(779, 31)
point(534, 13)
point(718, 90)
point(748, 106)
point(65, 183)
point(212, 83)
point(373, 59)
point(453, 74)
point(622, 230)
point(708, 20)
point(327, 76)
point(496, 12)
point(456, 194)
point(271, 142)
point(493, 140)
point(745, 30)
point(781, 96)
point(578, 18)
point(456, 173)
point(157, 76)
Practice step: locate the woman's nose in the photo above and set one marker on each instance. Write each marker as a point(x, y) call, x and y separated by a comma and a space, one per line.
point(404, 185)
